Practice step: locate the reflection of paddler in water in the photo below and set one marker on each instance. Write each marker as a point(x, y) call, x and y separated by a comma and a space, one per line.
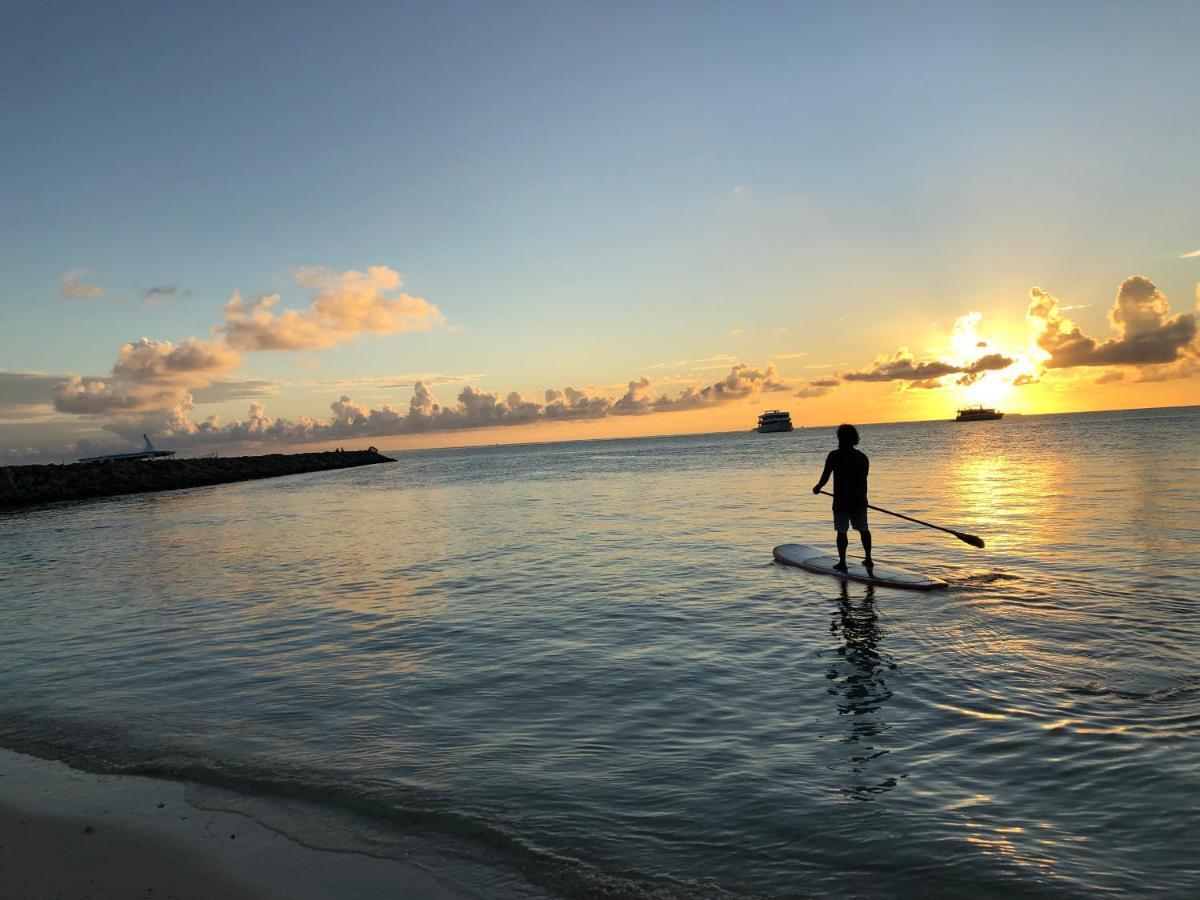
point(848, 466)
point(861, 684)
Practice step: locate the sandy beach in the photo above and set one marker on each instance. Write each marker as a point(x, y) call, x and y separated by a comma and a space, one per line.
point(70, 834)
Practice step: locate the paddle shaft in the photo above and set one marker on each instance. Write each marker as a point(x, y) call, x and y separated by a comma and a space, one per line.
point(957, 534)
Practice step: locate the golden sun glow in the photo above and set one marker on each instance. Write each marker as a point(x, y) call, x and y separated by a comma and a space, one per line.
point(989, 390)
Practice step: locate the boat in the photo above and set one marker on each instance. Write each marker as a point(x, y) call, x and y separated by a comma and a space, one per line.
point(774, 420)
point(147, 452)
point(977, 414)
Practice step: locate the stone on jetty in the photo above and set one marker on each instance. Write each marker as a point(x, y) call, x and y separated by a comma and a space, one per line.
point(25, 485)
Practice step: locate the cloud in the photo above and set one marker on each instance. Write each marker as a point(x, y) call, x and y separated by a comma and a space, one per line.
point(151, 361)
point(161, 294)
point(1146, 333)
point(26, 389)
point(148, 375)
point(10, 412)
point(817, 387)
point(161, 381)
point(385, 383)
point(69, 285)
point(26, 396)
point(742, 381)
point(902, 366)
point(345, 305)
point(1185, 367)
point(99, 397)
point(1192, 255)
point(228, 389)
point(736, 332)
point(474, 408)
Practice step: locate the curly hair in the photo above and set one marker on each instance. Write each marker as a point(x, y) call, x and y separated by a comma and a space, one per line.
point(847, 435)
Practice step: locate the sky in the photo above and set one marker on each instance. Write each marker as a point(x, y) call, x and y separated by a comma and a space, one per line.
point(259, 226)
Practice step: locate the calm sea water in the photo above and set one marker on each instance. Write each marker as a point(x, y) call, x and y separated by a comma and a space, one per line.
point(574, 669)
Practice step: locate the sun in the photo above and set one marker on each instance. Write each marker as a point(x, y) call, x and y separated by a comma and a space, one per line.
point(987, 391)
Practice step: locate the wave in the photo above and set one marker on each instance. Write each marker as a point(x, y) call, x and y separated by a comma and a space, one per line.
point(343, 812)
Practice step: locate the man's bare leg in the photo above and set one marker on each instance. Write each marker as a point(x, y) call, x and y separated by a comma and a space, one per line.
point(842, 543)
point(865, 534)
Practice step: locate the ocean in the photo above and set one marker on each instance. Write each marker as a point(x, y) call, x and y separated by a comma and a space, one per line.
point(574, 670)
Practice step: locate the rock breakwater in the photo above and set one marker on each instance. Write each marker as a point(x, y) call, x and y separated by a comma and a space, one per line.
point(27, 485)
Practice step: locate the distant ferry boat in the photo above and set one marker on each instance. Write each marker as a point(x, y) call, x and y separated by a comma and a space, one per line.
point(774, 420)
point(977, 414)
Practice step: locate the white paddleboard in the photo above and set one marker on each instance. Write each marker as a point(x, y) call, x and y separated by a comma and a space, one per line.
point(813, 560)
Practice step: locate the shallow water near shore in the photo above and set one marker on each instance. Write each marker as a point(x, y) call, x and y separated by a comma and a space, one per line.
point(574, 668)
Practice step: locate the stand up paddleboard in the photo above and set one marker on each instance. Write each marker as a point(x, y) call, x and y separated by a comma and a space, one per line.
point(812, 560)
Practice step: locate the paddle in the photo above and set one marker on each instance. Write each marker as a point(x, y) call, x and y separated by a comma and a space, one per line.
point(973, 540)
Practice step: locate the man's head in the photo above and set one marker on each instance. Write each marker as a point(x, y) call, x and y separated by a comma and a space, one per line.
point(847, 435)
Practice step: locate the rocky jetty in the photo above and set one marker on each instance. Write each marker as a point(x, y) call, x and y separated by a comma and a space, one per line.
point(25, 485)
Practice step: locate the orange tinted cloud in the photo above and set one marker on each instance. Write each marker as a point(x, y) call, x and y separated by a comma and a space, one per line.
point(345, 305)
point(474, 408)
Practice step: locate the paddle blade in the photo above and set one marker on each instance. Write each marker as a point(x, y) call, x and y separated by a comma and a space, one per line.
point(973, 540)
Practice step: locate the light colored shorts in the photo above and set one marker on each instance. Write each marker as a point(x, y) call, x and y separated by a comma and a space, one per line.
point(843, 520)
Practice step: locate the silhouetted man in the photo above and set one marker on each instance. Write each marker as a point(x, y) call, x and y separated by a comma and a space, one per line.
point(849, 469)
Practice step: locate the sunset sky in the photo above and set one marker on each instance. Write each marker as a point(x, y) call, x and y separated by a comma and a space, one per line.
point(257, 226)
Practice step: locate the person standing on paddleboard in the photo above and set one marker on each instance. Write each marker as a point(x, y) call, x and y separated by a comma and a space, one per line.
point(849, 467)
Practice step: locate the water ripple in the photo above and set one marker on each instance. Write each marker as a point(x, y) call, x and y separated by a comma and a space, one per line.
point(573, 669)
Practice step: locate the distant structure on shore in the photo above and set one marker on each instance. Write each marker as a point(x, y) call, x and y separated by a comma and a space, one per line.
point(774, 420)
point(147, 452)
point(126, 473)
point(977, 414)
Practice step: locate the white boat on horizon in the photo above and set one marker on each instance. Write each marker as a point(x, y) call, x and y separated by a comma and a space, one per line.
point(774, 420)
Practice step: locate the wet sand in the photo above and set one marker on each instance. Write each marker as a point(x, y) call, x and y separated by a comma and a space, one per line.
point(71, 834)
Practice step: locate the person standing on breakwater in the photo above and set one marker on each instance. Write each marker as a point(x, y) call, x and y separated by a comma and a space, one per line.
point(849, 467)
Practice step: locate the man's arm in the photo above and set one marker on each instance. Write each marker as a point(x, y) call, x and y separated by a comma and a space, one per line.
point(824, 475)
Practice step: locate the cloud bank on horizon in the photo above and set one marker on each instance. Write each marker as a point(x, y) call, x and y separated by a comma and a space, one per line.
point(155, 385)
point(474, 408)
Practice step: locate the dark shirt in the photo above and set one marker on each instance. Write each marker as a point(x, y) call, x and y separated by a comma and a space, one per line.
point(849, 467)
